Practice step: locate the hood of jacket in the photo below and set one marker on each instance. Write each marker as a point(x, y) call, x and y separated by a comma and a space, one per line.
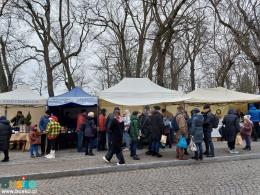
point(232, 111)
point(5, 122)
point(133, 117)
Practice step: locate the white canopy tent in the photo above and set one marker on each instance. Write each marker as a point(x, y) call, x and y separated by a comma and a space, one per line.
point(219, 95)
point(24, 95)
point(139, 91)
point(22, 99)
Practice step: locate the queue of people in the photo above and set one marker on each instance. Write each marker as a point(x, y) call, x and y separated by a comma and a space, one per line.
point(139, 129)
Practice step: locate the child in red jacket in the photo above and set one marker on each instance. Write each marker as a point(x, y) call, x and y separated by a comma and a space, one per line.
point(34, 141)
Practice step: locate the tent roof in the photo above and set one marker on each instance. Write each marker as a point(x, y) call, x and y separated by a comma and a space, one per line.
point(220, 95)
point(76, 96)
point(23, 95)
point(139, 91)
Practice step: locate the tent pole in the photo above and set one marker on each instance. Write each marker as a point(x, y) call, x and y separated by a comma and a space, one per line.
point(6, 111)
point(98, 123)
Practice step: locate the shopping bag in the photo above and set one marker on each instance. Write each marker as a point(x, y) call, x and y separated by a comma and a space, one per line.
point(192, 146)
point(163, 139)
point(182, 143)
point(239, 140)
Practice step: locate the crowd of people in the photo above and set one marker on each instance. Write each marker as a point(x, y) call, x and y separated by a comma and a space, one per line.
point(152, 128)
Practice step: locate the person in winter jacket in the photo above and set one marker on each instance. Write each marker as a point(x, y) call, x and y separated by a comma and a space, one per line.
point(81, 119)
point(255, 118)
point(134, 135)
point(145, 127)
point(116, 129)
point(34, 141)
point(196, 131)
point(5, 135)
point(43, 126)
point(52, 132)
point(157, 127)
point(18, 120)
point(89, 131)
point(246, 131)
point(231, 128)
point(168, 130)
point(127, 121)
point(102, 130)
point(207, 130)
point(183, 131)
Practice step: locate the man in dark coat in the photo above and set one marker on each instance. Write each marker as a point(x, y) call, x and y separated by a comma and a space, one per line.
point(157, 127)
point(116, 130)
point(231, 128)
point(145, 127)
point(19, 119)
point(5, 135)
point(207, 130)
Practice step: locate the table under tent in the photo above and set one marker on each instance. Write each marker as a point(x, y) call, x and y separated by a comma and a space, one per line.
point(67, 107)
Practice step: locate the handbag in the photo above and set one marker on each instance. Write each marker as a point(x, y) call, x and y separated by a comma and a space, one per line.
point(192, 146)
point(239, 140)
point(182, 143)
point(163, 139)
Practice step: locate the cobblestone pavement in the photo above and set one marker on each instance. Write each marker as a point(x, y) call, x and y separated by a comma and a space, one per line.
point(225, 178)
point(21, 163)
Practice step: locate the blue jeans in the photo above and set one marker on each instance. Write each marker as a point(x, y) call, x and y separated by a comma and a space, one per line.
point(80, 141)
point(34, 148)
point(133, 147)
point(126, 139)
point(199, 149)
point(155, 145)
point(208, 143)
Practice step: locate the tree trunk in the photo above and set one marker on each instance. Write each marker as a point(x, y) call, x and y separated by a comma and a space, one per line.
point(3, 80)
point(139, 60)
point(257, 66)
point(160, 68)
point(192, 75)
point(70, 83)
point(48, 71)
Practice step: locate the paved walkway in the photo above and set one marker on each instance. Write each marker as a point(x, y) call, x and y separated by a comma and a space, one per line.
point(224, 178)
point(68, 160)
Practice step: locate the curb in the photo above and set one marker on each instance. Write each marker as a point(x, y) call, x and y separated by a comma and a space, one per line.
point(130, 167)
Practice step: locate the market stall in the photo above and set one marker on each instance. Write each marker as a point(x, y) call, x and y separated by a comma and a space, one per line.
point(22, 99)
point(133, 93)
point(66, 107)
point(220, 99)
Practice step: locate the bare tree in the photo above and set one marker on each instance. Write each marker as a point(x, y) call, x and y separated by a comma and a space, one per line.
point(12, 56)
point(64, 40)
point(3, 4)
point(142, 20)
point(168, 16)
point(244, 26)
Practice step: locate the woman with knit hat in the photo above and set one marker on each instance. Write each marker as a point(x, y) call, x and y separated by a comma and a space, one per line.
point(246, 131)
point(89, 131)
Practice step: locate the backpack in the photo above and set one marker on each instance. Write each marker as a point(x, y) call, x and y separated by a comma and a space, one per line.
point(215, 122)
point(174, 124)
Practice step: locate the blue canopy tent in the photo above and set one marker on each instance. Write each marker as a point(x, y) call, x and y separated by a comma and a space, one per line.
point(67, 107)
point(75, 96)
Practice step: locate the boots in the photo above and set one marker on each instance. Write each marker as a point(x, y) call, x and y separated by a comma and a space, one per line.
point(181, 154)
point(196, 157)
point(177, 153)
point(248, 148)
point(51, 155)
